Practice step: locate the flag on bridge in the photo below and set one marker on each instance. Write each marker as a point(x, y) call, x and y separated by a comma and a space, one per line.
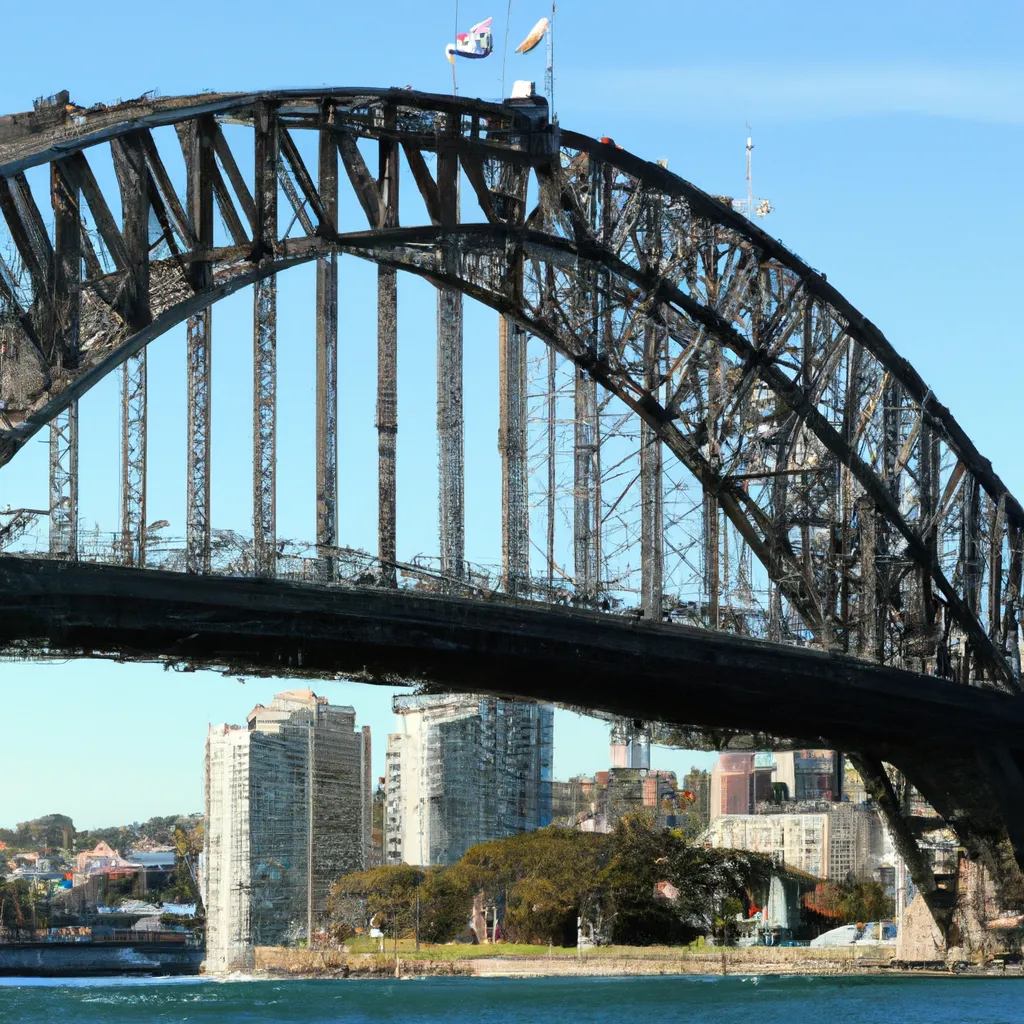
point(535, 36)
point(476, 43)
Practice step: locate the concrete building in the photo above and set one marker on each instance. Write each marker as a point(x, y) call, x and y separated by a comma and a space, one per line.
point(827, 840)
point(288, 805)
point(808, 774)
point(739, 782)
point(574, 800)
point(463, 770)
point(630, 744)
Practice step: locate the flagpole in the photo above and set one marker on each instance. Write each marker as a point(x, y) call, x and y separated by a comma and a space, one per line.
point(455, 87)
point(549, 71)
point(504, 53)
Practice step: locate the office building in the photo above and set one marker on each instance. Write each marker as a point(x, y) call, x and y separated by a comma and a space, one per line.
point(288, 811)
point(462, 770)
point(739, 782)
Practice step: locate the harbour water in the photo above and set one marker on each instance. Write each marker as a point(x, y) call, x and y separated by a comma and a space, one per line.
point(658, 1000)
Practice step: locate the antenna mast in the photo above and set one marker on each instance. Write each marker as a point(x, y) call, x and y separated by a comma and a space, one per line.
point(763, 207)
point(750, 187)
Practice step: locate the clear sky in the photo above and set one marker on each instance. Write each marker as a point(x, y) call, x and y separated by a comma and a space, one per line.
point(889, 139)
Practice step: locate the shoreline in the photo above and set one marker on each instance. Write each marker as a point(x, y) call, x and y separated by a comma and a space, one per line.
point(271, 962)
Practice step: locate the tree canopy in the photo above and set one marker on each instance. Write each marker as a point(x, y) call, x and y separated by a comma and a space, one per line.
point(639, 884)
point(850, 902)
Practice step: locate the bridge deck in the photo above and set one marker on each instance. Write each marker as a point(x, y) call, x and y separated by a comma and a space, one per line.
point(651, 671)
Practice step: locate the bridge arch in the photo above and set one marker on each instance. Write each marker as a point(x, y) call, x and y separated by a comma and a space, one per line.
point(822, 448)
point(882, 532)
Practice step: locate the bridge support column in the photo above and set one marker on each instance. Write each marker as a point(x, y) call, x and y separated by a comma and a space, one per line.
point(970, 563)
point(197, 145)
point(387, 376)
point(327, 363)
point(711, 555)
point(1002, 766)
point(880, 788)
point(652, 523)
point(264, 426)
point(450, 433)
point(64, 327)
point(197, 524)
point(550, 412)
point(586, 470)
point(652, 519)
point(870, 637)
point(928, 468)
point(133, 183)
point(64, 483)
point(587, 427)
point(515, 516)
point(450, 428)
point(133, 460)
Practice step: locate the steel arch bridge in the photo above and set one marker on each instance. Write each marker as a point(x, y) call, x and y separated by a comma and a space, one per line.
point(838, 507)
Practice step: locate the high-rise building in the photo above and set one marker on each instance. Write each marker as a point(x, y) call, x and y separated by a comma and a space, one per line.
point(288, 811)
point(838, 841)
point(808, 774)
point(630, 744)
point(463, 770)
point(739, 782)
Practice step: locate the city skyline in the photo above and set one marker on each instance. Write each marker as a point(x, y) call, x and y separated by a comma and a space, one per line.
point(388, 460)
point(830, 204)
point(583, 752)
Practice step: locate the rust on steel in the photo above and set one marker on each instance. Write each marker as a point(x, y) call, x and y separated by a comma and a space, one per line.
point(839, 508)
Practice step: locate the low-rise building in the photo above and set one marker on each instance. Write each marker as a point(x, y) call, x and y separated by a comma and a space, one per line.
point(828, 840)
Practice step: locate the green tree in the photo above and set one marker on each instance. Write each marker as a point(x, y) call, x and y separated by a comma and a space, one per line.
point(54, 830)
point(385, 896)
point(712, 884)
point(21, 907)
point(118, 837)
point(867, 901)
point(446, 900)
point(546, 878)
point(850, 902)
point(184, 881)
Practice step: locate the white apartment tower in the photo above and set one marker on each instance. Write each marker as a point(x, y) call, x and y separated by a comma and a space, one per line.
point(288, 805)
point(464, 769)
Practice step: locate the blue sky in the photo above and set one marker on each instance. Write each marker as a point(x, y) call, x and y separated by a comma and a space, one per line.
point(889, 139)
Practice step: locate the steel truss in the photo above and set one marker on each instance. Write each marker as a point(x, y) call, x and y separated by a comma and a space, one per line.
point(837, 502)
point(882, 529)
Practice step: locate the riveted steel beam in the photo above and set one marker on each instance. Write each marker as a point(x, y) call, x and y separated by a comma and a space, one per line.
point(197, 144)
point(133, 460)
point(264, 428)
point(450, 428)
point(327, 355)
point(387, 372)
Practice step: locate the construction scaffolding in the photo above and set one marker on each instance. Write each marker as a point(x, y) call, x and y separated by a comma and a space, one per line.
point(288, 806)
point(464, 770)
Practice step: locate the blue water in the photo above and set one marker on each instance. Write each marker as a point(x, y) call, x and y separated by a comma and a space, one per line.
point(785, 1000)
